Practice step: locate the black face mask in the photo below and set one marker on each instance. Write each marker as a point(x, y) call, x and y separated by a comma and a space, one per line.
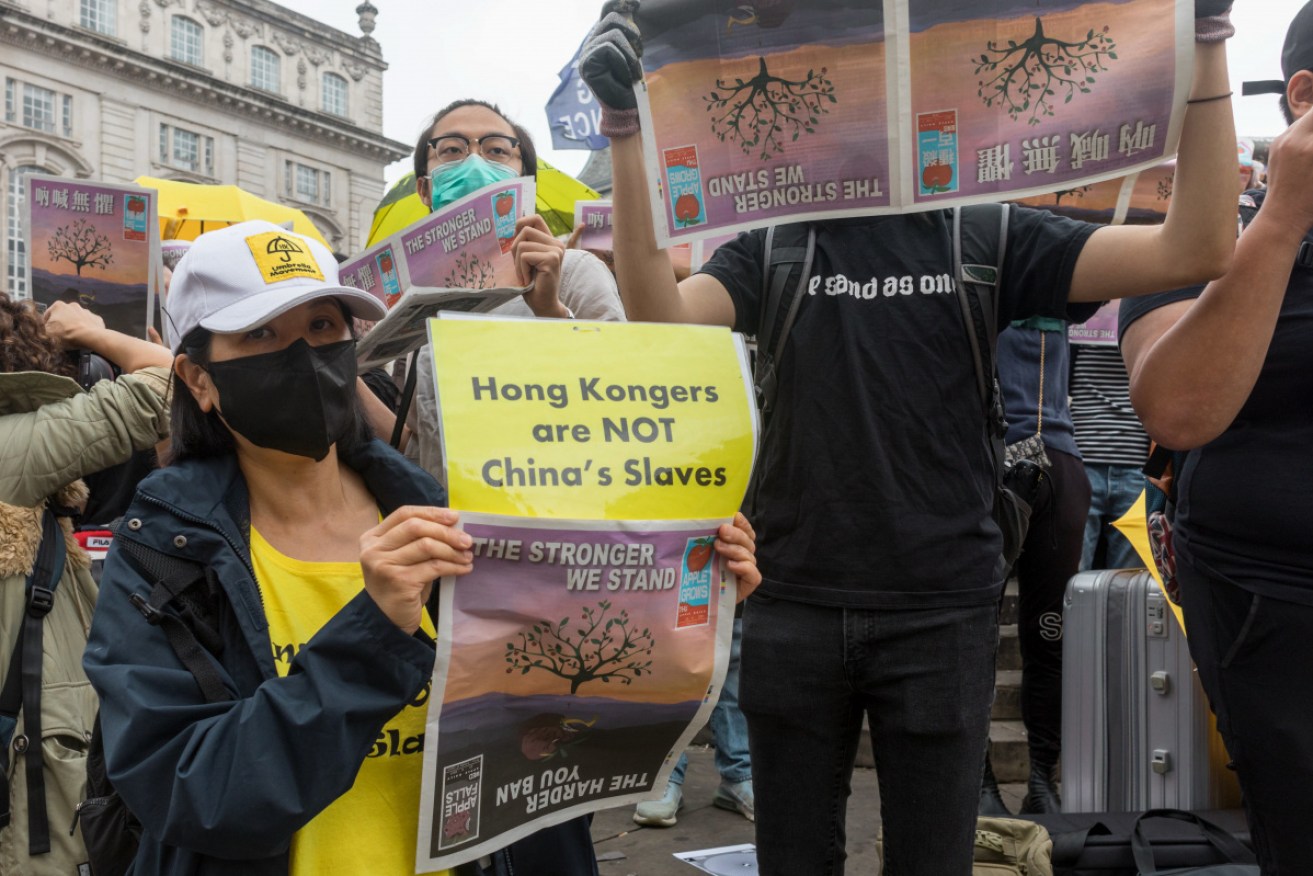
point(297, 400)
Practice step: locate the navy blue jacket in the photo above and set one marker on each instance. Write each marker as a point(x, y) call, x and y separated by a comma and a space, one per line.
point(220, 788)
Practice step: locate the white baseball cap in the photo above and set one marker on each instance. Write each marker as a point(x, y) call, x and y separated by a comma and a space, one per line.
point(240, 277)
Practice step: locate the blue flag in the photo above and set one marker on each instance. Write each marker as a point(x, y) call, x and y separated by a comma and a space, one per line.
point(573, 113)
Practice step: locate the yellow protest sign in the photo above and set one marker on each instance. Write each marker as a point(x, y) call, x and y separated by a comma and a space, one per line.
point(593, 420)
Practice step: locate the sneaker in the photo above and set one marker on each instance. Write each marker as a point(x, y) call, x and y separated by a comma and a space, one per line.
point(736, 797)
point(661, 813)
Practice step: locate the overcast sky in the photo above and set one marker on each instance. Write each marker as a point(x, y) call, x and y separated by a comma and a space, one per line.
point(510, 51)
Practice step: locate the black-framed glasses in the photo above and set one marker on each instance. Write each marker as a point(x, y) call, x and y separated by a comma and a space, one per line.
point(493, 147)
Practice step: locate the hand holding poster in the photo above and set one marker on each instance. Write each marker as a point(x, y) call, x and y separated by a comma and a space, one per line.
point(465, 245)
point(576, 660)
point(94, 244)
point(457, 258)
point(758, 113)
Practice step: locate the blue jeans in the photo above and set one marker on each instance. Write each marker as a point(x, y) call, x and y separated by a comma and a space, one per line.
point(728, 725)
point(1113, 490)
point(925, 681)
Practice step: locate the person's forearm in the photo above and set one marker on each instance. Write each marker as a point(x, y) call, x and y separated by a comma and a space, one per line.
point(128, 353)
point(1200, 226)
point(1189, 384)
point(643, 273)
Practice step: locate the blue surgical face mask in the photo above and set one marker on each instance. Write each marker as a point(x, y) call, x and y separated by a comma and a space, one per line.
point(454, 180)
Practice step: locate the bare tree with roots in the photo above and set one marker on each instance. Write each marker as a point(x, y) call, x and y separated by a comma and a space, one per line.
point(760, 112)
point(469, 273)
point(1027, 77)
point(81, 245)
point(598, 649)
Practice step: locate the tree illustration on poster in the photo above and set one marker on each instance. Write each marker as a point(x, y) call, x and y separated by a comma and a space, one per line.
point(81, 245)
point(599, 648)
point(1029, 76)
point(761, 112)
point(469, 273)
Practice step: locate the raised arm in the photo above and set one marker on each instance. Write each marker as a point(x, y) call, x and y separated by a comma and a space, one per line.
point(609, 64)
point(1194, 244)
point(76, 328)
point(1193, 363)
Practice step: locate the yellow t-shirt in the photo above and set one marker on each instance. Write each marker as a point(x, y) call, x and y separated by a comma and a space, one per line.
point(374, 827)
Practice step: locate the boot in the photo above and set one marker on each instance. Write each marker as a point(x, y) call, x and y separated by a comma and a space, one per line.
point(991, 801)
point(1041, 789)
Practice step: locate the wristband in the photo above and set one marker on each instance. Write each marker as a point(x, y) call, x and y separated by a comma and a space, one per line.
point(1210, 99)
point(618, 123)
point(1214, 28)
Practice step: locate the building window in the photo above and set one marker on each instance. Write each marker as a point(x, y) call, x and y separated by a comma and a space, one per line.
point(307, 184)
point(15, 245)
point(186, 41)
point(186, 150)
point(335, 94)
point(99, 15)
point(38, 108)
point(265, 73)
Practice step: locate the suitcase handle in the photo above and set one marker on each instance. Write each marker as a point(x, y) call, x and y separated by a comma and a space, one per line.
point(1229, 846)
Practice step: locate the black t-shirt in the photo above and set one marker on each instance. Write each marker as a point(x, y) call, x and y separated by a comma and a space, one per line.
point(877, 485)
point(1245, 499)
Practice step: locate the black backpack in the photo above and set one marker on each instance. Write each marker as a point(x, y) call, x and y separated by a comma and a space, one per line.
point(980, 234)
point(184, 602)
point(20, 692)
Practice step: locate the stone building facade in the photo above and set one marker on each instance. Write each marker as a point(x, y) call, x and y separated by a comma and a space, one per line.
point(214, 91)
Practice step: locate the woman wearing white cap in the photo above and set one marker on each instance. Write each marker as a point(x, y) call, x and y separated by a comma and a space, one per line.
point(318, 548)
point(295, 745)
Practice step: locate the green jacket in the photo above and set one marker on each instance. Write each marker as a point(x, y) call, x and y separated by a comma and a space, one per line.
point(51, 434)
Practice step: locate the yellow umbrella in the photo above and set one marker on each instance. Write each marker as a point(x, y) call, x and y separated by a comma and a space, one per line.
point(188, 210)
point(556, 194)
point(400, 208)
point(1134, 524)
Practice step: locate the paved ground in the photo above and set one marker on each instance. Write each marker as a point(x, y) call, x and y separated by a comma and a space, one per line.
point(626, 849)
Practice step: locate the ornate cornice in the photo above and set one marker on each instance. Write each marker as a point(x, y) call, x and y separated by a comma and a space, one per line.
point(173, 80)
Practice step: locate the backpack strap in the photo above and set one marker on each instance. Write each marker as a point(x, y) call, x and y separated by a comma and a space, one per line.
point(22, 687)
point(980, 238)
point(192, 630)
point(786, 267)
point(407, 397)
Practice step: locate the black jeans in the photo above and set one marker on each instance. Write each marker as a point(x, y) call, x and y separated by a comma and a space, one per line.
point(924, 679)
point(1255, 660)
point(1050, 557)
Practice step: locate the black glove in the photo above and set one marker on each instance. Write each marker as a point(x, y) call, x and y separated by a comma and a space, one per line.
point(1210, 8)
point(609, 61)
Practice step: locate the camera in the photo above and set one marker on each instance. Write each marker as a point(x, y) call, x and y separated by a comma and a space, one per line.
point(92, 368)
point(1024, 478)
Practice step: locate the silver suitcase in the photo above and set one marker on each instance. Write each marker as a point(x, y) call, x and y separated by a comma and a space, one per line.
point(1137, 732)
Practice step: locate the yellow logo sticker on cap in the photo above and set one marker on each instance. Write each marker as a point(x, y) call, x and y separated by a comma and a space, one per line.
point(283, 257)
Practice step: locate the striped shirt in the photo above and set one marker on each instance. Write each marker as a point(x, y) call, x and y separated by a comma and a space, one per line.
point(1107, 429)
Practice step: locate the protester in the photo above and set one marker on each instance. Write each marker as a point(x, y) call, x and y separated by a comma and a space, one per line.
point(1223, 371)
point(880, 555)
point(1114, 447)
point(467, 145)
point(1033, 364)
point(470, 144)
point(276, 491)
point(51, 434)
